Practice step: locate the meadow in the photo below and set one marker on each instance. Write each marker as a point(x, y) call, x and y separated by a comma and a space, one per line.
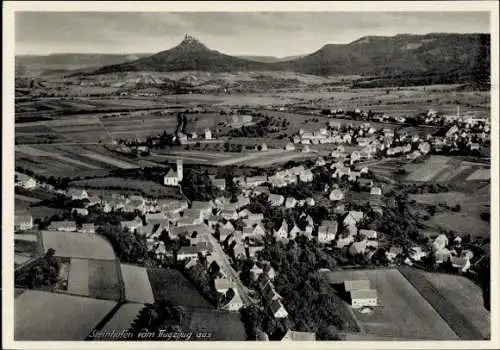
point(391, 317)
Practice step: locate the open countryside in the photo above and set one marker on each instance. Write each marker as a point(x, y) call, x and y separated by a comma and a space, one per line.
point(339, 195)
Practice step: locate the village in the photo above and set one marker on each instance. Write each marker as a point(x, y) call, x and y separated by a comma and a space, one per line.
point(234, 228)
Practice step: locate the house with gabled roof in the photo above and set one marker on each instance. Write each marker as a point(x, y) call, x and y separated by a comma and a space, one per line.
point(276, 199)
point(277, 309)
point(440, 242)
point(68, 226)
point(282, 232)
point(368, 234)
point(353, 217)
point(327, 231)
point(290, 202)
point(255, 272)
point(23, 222)
point(358, 247)
point(77, 194)
point(294, 232)
point(336, 195)
point(87, 228)
point(376, 191)
point(254, 250)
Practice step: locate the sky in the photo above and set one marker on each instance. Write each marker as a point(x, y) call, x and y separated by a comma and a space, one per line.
point(277, 34)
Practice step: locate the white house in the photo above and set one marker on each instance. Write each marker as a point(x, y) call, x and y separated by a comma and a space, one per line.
point(87, 228)
point(282, 232)
point(440, 242)
point(290, 147)
point(336, 195)
point(306, 176)
point(353, 217)
point(327, 231)
point(276, 199)
point(290, 202)
point(77, 194)
point(80, 211)
point(25, 181)
point(369, 234)
point(219, 183)
point(376, 191)
point(208, 134)
point(277, 309)
point(68, 226)
point(235, 303)
point(363, 297)
point(23, 222)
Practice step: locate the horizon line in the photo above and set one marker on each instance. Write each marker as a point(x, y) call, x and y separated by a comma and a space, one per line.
point(249, 54)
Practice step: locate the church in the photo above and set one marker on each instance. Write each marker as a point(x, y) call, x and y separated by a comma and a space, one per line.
point(174, 178)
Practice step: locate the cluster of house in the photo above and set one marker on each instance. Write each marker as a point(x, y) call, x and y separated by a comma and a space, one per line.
point(459, 258)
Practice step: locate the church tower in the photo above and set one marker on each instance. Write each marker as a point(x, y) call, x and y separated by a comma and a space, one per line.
point(180, 170)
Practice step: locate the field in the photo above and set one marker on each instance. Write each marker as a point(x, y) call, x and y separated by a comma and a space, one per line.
point(220, 325)
point(395, 297)
point(34, 309)
point(26, 246)
point(104, 280)
point(254, 159)
point(443, 169)
point(75, 245)
point(123, 318)
point(136, 284)
point(129, 186)
point(456, 299)
point(70, 160)
point(171, 285)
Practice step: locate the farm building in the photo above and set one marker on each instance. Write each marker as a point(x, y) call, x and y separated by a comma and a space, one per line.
point(369, 234)
point(208, 134)
point(87, 228)
point(290, 202)
point(235, 303)
point(290, 147)
point(264, 147)
point(277, 309)
point(24, 181)
point(255, 272)
point(336, 195)
point(219, 183)
point(187, 252)
point(294, 232)
point(23, 222)
point(299, 336)
point(363, 297)
point(282, 232)
point(327, 231)
point(132, 225)
point(80, 211)
point(376, 191)
point(253, 250)
point(440, 242)
point(353, 217)
point(77, 194)
point(276, 199)
point(68, 226)
point(222, 285)
point(358, 248)
point(255, 181)
point(306, 176)
point(393, 253)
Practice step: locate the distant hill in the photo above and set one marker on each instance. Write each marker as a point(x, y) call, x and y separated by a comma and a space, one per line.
point(71, 61)
point(189, 55)
point(270, 59)
point(439, 57)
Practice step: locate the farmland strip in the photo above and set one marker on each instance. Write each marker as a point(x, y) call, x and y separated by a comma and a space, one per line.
point(455, 319)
